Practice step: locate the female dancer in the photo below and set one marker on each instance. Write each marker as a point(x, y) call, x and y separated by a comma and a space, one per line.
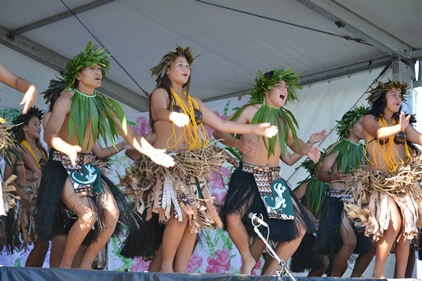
point(393, 211)
point(179, 197)
point(27, 132)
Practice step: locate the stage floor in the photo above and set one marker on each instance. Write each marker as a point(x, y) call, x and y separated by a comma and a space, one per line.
point(48, 274)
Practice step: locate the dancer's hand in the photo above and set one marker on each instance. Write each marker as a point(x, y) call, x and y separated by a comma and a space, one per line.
point(339, 177)
point(247, 147)
point(314, 154)
point(160, 157)
point(266, 130)
point(73, 153)
point(29, 98)
point(404, 121)
point(317, 137)
point(179, 119)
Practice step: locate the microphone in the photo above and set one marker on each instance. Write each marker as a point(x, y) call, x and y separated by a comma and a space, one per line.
point(257, 219)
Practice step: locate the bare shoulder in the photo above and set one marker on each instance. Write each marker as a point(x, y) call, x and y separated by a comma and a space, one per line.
point(249, 112)
point(63, 103)
point(369, 118)
point(159, 93)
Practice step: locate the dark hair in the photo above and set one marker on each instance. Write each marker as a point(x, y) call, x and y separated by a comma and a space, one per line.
point(165, 83)
point(378, 107)
point(19, 133)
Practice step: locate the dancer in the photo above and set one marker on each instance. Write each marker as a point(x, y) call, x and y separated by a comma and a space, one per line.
point(26, 131)
point(29, 99)
point(390, 198)
point(254, 185)
point(20, 84)
point(55, 89)
point(337, 237)
point(179, 197)
point(311, 193)
point(72, 132)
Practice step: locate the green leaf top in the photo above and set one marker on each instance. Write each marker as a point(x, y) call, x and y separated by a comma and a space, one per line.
point(99, 111)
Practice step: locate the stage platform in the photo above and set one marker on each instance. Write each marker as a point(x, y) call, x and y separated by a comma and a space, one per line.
point(48, 274)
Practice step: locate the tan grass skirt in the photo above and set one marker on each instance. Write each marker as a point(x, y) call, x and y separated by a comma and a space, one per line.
point(183, 188)
point(371, 191)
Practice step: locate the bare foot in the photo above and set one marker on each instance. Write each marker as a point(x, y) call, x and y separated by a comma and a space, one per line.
point(166, 269)
point(247, 266)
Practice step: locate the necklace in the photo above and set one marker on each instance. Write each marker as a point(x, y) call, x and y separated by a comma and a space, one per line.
point(85, 95)
point(99, 111)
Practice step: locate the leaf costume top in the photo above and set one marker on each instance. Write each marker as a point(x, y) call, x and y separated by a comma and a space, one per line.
point(93, 109)
point(280, 117)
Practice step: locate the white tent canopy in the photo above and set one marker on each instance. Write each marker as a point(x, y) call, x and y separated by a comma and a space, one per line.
point(321, 39)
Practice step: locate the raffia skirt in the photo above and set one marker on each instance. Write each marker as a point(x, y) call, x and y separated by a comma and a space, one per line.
point(161, 194)
point(371, 191)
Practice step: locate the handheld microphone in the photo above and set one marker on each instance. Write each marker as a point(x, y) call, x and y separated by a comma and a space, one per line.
point(257, 219)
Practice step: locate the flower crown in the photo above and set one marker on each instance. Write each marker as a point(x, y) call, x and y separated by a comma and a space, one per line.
point(349, 119)
point(92, 55)
point(375, 93)
point(264, 82)
point(160, 69)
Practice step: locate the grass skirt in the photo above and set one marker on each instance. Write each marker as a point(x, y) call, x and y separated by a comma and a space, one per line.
point(371, 206)
point(244, 198)
point(53, 218)
point(305, 258)
point(328, 240)
point(163, 193)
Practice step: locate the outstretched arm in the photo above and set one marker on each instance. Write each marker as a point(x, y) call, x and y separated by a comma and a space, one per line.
point(212, 120)
point(246, 147)
point(290, 159)
point(143, 146)
point(106, 152)
point(312, 152)
point(20, 84)
point(370, 125)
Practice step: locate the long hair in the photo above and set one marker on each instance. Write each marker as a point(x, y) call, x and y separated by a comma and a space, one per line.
point(19, 133)
point(378, 106)
point(165, 83)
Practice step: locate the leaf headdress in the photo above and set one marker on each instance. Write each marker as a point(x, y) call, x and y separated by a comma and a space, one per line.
point(160, 69)
point(90, 56)
point(375, 93)
point(280, 117)
point(264, 82)
point(349, 119)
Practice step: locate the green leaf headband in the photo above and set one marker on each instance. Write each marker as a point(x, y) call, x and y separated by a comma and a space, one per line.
point(160, 69)
point(375, 93)
point(264, 82)
point(349, 119)
point(91, 56)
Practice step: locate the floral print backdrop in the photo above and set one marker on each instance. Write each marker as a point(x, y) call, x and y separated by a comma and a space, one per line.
point(215, 252)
